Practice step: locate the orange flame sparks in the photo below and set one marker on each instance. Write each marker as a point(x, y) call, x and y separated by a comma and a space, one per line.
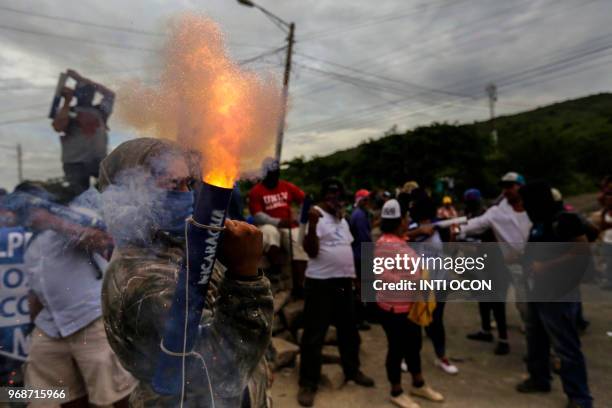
point(207, 102)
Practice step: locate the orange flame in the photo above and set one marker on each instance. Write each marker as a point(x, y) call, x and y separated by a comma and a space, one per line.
point(207, 102)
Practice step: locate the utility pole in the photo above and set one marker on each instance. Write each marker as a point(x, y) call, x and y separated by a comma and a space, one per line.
point(492, 92)
point(289, 28)
point(281, 125)
point(19, 163)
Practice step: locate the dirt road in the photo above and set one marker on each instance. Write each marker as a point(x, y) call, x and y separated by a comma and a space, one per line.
point(484, 380)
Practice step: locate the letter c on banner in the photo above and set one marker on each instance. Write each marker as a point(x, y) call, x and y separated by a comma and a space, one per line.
point(4, 312)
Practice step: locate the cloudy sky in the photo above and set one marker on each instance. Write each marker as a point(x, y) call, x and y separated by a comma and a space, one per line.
point(361, 66)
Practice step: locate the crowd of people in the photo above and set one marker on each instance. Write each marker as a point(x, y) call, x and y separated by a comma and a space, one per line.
point(88, 274)
point(523, 213)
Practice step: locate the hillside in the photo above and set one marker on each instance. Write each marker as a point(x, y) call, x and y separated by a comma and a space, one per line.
point(568, 143)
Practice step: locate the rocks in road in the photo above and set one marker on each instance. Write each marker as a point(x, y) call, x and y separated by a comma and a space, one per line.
point(286, 352)
point(280, 300)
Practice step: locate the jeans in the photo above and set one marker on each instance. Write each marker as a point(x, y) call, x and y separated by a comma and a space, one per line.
point(435, 331)
point(328, 301)
point(77, 174)
point(499, 312)
point(554, 324)
point(404, 341)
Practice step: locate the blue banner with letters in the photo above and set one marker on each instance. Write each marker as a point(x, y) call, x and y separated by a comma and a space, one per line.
point(14, 312)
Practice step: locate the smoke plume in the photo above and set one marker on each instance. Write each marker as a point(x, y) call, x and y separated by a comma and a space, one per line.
point(207, 102)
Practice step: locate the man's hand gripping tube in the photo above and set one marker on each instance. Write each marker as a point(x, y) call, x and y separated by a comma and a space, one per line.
point(202, 237)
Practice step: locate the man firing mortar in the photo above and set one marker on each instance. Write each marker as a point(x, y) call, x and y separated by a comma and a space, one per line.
point(147, 185)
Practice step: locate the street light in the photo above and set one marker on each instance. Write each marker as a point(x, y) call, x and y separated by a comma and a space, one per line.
point(289, 28)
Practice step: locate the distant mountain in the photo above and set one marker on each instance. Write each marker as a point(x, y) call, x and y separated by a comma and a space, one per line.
point(568, 143)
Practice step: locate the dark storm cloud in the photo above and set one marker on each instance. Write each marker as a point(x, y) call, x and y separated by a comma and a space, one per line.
point(406, 62)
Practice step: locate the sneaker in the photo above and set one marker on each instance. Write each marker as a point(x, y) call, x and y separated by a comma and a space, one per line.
point(446, 366)
point(404, 401)
point(502, 348)
point(404, 366)
point(428, 393)
point(530, 386)
point(306, 396)
point(480, 336)
point(361, 379)
point(582, 326)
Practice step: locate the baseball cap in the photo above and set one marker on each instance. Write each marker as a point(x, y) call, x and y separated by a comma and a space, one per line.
point(331, 185)
point(472, 194)
point(391, 210)
point(512, 177)
point(447, 200)
point(361, 194)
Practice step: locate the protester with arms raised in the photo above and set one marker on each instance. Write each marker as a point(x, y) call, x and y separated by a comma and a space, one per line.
point(84, 139)
point(510, 225)
point(328, 293)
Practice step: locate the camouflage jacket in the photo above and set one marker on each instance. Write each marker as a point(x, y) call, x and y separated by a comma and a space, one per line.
point(236, 328)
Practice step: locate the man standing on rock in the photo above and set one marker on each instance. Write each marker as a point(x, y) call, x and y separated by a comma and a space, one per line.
point(84, 130)
point(328, 293)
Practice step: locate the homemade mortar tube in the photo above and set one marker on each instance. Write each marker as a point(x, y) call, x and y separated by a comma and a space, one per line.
point(181, 330)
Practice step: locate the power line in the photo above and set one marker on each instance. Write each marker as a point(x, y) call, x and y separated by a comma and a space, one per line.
point(378, 107)
point(81, 22)
point(262, 55)
point(377, 59)
point(376, 21)
point(388, 88)
point(388, 79)
point(578, 53)
point(24, 108)
point(310, 35)
point(83, 41)
point(22, 120)
point(563, 74)
point(90, 24)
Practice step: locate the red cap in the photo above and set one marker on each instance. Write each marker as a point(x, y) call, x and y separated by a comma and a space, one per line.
point(360, 195)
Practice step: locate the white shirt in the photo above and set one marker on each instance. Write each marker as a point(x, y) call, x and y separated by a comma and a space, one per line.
point(335, 257)
point(66, 282)
point(509, 226)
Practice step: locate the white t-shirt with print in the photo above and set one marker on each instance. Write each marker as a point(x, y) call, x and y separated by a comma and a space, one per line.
point(335, 257)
